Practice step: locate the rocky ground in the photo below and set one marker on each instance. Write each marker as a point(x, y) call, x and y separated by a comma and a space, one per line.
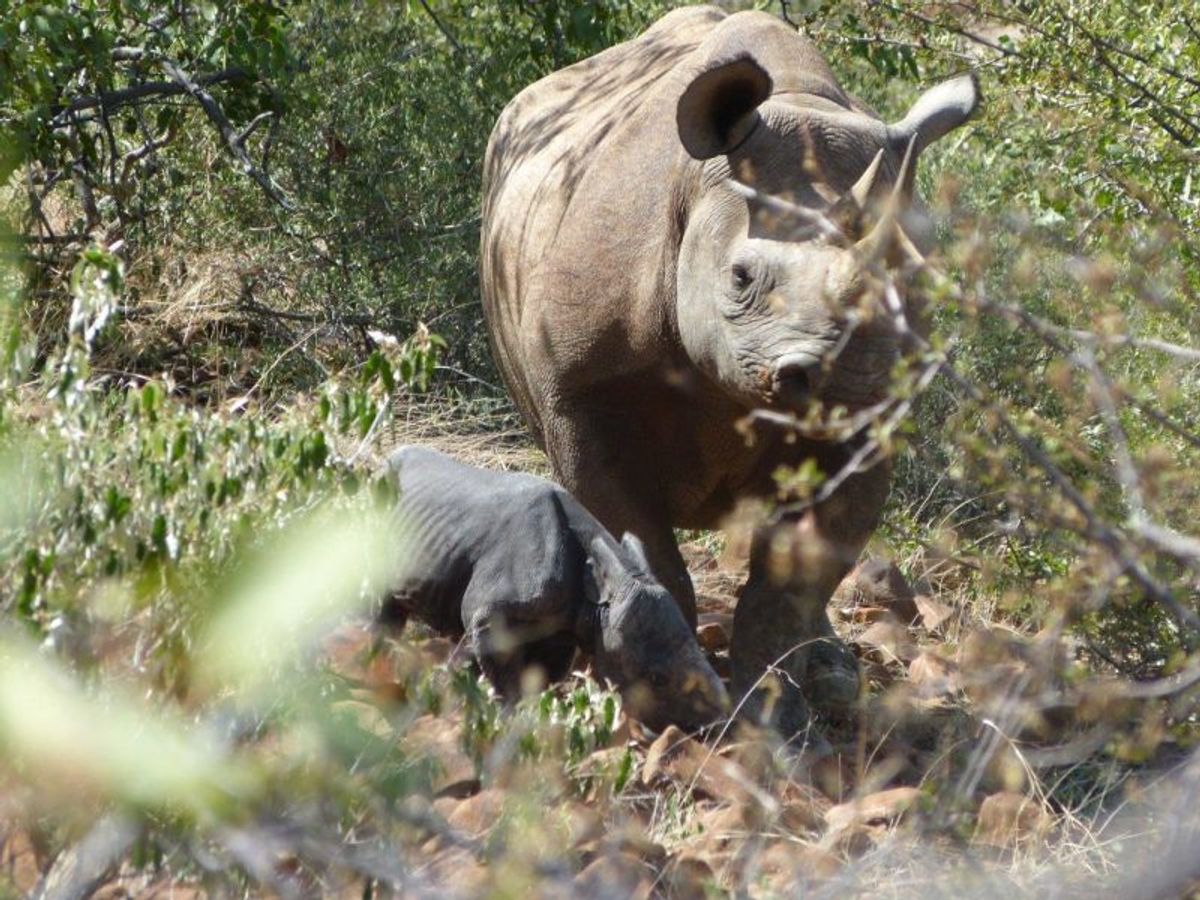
point(946, 777)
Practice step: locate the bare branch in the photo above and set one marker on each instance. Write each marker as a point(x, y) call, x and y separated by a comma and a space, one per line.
point(111, 100)
point(217, 116)
point(244, 134)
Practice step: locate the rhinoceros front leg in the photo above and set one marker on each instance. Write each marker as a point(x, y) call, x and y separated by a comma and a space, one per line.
point(506, 647)
point(610, 481)
point(784, 651)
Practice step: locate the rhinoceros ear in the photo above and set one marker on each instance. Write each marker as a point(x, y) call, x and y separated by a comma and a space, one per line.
point(718, 110)
point(936, 113)
point(603, 569)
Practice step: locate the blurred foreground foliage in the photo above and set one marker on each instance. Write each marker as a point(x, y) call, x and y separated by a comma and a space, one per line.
point(169, 578)
point(223, 215)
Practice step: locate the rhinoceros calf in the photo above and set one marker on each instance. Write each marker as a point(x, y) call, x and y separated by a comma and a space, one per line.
point(515, 563)
point(644, 293)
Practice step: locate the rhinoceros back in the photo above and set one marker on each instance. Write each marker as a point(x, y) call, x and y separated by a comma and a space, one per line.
point(475, 537)
point(564, 179)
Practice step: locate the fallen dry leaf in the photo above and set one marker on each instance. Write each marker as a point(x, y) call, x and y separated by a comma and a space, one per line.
point(1007, 818)
point(882, 807)
point(933, 613)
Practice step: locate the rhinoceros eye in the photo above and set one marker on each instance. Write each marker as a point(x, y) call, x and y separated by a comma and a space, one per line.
point(742, 276)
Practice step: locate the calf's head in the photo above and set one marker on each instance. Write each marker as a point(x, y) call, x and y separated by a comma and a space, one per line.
point(641, 642)
point(798, 206)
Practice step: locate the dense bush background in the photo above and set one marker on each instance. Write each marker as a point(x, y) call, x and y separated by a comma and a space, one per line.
point(239, 251)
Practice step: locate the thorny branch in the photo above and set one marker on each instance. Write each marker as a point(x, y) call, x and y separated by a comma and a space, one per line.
point(1094, 527)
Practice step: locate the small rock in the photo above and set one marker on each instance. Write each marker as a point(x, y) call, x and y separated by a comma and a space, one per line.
point(689, 877)
point(773, 871)
point(582, 824)
point(438, 738)
point(713, 637)
point(443, 806)
point(882, 807)
point(890, 640)
point(722, 619)
point(456, 871)
point(476, 815)
point(616, 875)
point(784, 865)
point(815, 863)
point(802, 808)
point(753, 755)
point(720, 830)
point(346, 649)
point(933, 613)
point(855, 840)
point(1009, 818)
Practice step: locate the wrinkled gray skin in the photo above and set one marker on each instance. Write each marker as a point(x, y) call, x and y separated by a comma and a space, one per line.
point(640, 305)
point(515, 563)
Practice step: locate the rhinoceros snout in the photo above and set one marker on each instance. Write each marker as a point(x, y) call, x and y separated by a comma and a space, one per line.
point(795, 378)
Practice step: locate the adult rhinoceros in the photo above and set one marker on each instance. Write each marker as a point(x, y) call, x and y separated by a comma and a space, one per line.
point(643, 294)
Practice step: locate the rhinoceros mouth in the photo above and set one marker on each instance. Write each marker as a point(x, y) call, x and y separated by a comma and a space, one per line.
point(796, 390)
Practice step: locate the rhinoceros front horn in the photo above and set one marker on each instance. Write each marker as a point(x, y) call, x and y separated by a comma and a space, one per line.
point(881, 239)
point(848, 209)
point(845, 277)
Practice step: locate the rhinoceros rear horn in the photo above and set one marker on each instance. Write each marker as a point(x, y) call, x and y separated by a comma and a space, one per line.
point(718, 110)
point(936, 113)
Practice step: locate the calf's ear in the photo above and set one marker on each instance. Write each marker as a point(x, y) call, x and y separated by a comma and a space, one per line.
point(603, 566)
point(719, 108)
point(634, 546)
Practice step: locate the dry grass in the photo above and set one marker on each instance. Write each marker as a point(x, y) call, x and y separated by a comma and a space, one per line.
point(489, 434)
